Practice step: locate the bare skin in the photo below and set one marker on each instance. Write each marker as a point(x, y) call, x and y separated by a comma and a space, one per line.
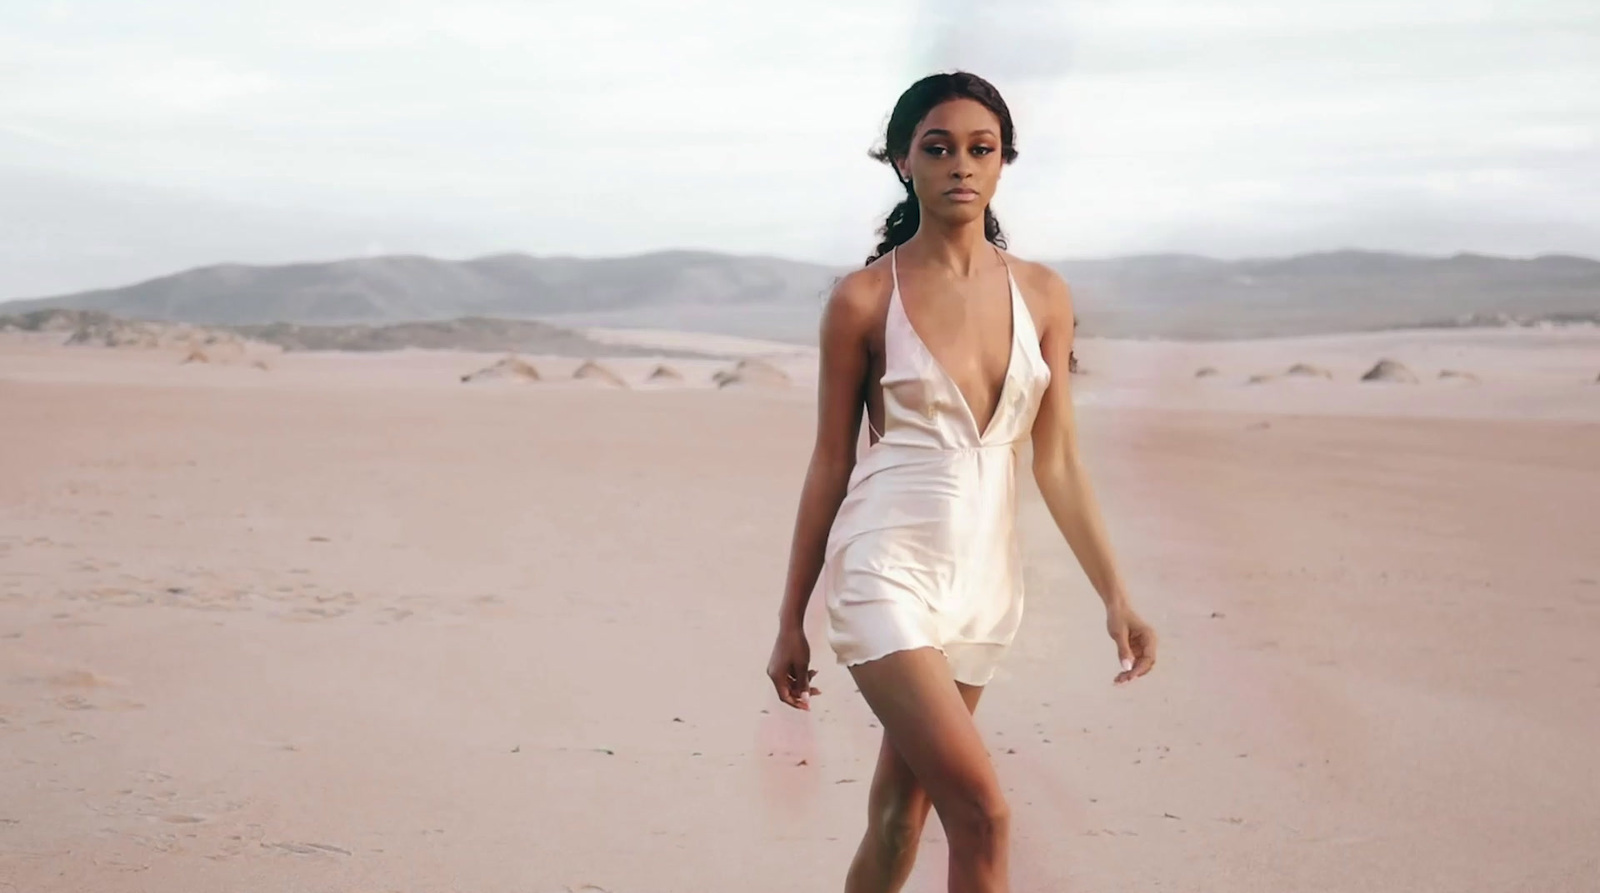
point(955, 293)
point(898, 804)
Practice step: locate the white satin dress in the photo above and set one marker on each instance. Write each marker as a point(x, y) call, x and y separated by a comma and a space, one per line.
point(923, 551)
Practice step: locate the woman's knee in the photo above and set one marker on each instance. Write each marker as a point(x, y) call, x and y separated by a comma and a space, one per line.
point(978, 814)
point(898, 823)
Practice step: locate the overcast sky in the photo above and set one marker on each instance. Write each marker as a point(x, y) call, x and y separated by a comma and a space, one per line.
point(139, 138)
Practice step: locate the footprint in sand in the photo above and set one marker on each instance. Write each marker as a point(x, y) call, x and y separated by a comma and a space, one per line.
point(80, 683)
point(74, 702)
point(307, 849)
point(311, 615)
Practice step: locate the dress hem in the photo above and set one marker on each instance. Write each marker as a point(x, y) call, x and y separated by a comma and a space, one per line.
point(955, 674)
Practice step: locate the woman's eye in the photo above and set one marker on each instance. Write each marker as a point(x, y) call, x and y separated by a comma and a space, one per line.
point(936, 151)
point(981, 150)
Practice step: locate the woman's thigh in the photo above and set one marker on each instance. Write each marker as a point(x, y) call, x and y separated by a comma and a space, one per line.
point(893, 782)
point(930, 740)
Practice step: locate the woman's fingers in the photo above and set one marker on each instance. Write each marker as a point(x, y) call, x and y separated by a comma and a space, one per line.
point(791, 689)
point(783, 681)
point(1142, 644)
point(789, 671)
point(1125, 656)
point(811, 689)
point(803, 690)
point(1145, 652)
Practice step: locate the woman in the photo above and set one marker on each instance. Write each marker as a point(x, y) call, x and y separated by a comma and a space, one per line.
point(958, 352)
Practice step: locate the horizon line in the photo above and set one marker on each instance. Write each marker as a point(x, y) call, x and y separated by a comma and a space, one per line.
point(1549, 255)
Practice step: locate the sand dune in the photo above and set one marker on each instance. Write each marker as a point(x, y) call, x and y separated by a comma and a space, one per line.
point(221, 351)
point(1458, 376)
point(1206, 372)
point(1306, 370)
point(510, 368)
point(599, 374)
point(752, 372)
point(62, 321)
point(1390, 370)
point(1297, 371)
point(99, 329)
point(193, 344)
point(665, 375)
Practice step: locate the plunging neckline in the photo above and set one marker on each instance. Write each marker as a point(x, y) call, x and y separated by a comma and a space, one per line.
point(1011, 356)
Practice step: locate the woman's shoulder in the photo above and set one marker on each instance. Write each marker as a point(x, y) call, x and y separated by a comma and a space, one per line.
point(1042, 286)
point(864, 291)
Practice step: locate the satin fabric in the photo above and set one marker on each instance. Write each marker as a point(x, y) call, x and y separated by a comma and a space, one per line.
point(923, 550)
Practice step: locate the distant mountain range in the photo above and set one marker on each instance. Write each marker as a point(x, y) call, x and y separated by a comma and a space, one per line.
point(1171, 296)
point(1184, 296)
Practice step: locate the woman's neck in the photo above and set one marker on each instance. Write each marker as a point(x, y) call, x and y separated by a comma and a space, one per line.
point(961, 249)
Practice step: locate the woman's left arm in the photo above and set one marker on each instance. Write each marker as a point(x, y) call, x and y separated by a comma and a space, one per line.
point(1064, 484)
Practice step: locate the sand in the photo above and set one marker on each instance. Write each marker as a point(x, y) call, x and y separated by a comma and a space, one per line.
point(348, 625)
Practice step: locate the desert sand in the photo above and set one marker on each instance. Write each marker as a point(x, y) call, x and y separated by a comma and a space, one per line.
point(350, 624)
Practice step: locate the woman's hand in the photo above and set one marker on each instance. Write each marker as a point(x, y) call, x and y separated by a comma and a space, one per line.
point(1136, 641)
point(790, 668)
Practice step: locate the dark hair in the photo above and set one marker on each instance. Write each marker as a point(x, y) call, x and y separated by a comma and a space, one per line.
point(914, 105)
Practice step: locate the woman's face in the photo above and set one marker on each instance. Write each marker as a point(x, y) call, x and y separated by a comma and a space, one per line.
point(955, 160)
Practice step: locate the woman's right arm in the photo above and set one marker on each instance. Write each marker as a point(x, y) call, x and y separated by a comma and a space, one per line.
point(844, 362)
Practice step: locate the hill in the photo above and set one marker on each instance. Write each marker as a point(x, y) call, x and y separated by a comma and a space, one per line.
point(1172, 296)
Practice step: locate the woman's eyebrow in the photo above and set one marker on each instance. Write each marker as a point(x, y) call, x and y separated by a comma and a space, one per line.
point(939, 131)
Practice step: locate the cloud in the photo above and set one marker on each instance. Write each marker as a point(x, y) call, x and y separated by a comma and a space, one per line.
point(65, 233)
point(192, 85)
point(615, 126)
point(1008, 42)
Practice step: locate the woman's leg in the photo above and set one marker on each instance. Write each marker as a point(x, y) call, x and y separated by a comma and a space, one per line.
point(897, 808)
point(930, 726)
